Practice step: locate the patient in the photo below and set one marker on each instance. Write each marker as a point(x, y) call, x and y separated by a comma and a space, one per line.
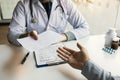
point(81, 60)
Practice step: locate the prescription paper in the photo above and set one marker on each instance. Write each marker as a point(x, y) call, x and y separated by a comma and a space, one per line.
point(45, 39)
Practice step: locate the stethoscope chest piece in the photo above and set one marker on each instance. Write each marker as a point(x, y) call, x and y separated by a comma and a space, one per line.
point(33, 20)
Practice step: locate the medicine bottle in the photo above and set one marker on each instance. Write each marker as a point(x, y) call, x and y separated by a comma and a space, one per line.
point(115, 43)
point(109, 37)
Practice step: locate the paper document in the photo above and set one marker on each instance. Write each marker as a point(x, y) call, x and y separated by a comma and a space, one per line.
point(48, 56)
point(45, 39)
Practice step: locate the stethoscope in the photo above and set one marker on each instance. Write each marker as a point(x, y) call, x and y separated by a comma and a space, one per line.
point(33, 19)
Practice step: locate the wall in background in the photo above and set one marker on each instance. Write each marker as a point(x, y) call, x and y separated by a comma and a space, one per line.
point(100, 14)
point(7, 7)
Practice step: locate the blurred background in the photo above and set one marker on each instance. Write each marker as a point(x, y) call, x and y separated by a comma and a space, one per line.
point(100, 15)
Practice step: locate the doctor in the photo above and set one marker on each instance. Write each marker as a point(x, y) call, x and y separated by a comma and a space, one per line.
point(32, 17)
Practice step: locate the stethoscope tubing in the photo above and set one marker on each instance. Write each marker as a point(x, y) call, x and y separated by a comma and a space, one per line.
point(34, 20)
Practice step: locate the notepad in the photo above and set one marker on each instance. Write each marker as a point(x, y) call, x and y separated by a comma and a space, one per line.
point(48, 56)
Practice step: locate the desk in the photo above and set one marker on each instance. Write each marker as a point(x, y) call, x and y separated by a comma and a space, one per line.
point(28, 71)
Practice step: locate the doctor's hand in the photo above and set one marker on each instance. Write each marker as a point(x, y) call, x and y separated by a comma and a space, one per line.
point(33, 34)
point(64, 37)
point(76, 59)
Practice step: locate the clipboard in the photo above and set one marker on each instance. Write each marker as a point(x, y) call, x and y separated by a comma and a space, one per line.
point(47, 56)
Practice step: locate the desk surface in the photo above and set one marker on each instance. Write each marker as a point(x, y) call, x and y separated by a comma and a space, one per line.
point(11, 69)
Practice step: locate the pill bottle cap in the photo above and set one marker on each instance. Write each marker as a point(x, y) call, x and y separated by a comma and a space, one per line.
point(115, 39)
point(112, 29)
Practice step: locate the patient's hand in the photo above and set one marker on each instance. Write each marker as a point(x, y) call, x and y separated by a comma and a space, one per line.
point(76, 59)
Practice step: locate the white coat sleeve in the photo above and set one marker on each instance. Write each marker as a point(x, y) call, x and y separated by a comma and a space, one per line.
point(17, 25)
point(94, 72)
point(81, 28)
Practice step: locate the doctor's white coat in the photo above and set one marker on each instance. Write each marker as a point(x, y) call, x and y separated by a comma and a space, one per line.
point(21, 20)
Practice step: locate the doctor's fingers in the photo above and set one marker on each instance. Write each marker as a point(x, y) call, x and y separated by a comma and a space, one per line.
point(34, 34)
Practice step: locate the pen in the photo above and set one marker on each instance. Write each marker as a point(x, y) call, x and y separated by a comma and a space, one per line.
point(24, 59)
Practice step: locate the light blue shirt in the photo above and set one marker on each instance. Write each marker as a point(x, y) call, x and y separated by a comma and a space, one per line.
point(94, 72)
point(21, 20)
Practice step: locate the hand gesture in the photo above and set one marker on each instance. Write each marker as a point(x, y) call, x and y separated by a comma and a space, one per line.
point(76, 59)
